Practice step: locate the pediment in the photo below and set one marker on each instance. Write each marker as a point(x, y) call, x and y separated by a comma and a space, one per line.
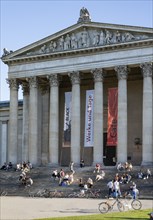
point(82, 36)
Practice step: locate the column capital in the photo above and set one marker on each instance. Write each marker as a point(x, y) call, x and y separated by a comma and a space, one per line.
point(53, 80)
point(4, 122)
point(33, 82)
point(98, 75)
point(25, 88)
point(44, 88)
point(13, 84)
point(146, 69)
point(74, 77)
point(122, 72)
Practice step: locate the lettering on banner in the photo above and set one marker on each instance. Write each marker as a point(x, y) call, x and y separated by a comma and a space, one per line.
point(88, 141)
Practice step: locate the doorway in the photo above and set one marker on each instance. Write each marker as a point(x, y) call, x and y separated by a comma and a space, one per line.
point(109, 152)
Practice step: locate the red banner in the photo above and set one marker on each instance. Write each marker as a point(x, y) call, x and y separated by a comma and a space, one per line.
point(112, 116)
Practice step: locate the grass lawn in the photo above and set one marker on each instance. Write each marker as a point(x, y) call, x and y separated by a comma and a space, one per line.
point(141, 214)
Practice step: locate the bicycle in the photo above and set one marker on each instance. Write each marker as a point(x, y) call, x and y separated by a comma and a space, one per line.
point(104, 207)
point(55, 194)
point(3, 193)
point(135, 203)
point(93, 193)
point(41, 193)
point(81, 194)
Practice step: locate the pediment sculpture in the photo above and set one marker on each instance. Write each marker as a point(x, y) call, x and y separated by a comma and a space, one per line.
point(84, 15)
point(87, 38)
point(6, 52)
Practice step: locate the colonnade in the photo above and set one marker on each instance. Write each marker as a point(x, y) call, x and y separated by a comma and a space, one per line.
point(30, 117)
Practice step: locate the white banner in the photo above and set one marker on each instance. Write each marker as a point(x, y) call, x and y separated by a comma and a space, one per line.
point(67, 120)
point(88, 137)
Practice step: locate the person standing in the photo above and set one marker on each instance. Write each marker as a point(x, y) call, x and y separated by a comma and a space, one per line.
point(72, 167)
point(116, 187)
point(110, 188)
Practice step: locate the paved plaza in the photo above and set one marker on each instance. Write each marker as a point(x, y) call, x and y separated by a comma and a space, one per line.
point(20, 208)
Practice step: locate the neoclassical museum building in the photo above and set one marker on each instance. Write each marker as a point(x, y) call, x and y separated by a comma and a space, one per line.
point(87, 94)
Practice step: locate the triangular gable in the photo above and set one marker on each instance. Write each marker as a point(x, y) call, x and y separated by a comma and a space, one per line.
point(81, 36)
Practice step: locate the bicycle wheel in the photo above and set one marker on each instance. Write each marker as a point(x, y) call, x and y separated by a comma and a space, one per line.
point(4, 193)
point(72, 195)
point(136, 204)
point(80, 195)
point(31, 194)
point(120, 206)
point(103, 207)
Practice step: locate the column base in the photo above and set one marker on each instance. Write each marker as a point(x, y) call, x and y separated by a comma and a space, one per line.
point(53, 165)
point(101, 164)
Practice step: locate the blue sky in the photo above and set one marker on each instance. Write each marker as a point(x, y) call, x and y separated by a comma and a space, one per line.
point(26, 21)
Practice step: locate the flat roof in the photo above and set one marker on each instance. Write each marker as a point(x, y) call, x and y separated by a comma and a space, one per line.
point(7, 103)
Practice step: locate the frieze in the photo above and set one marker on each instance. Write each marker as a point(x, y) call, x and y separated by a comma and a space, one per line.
point(87, 37)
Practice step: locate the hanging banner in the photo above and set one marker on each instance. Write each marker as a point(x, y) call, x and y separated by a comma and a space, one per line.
point(112, 116)
point(67, 120)
point(88, 137)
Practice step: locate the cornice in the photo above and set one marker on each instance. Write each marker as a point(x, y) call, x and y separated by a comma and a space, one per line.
point(78, 52)
point(119, 27)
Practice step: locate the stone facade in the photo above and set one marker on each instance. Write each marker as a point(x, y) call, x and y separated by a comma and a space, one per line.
point(85, 56)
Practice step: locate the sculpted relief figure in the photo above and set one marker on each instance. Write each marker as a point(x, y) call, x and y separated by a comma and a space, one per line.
point(74, 41)
point(108, 37)
point(84, 38)
point(52, 46)
point(95, 39)
point(128, 37)
point(67, 43)
point(61, 43)
point(43, 49)
point(118, 37)
point(101, 38)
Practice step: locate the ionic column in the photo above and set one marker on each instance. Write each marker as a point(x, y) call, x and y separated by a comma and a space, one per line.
point(54, 119)
point(4, 143)
point(75, 117)
point(33, 120)
point(13, 121)
point(25, 130)
point(98, 116)
point(122, 72)
point(147, 141)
